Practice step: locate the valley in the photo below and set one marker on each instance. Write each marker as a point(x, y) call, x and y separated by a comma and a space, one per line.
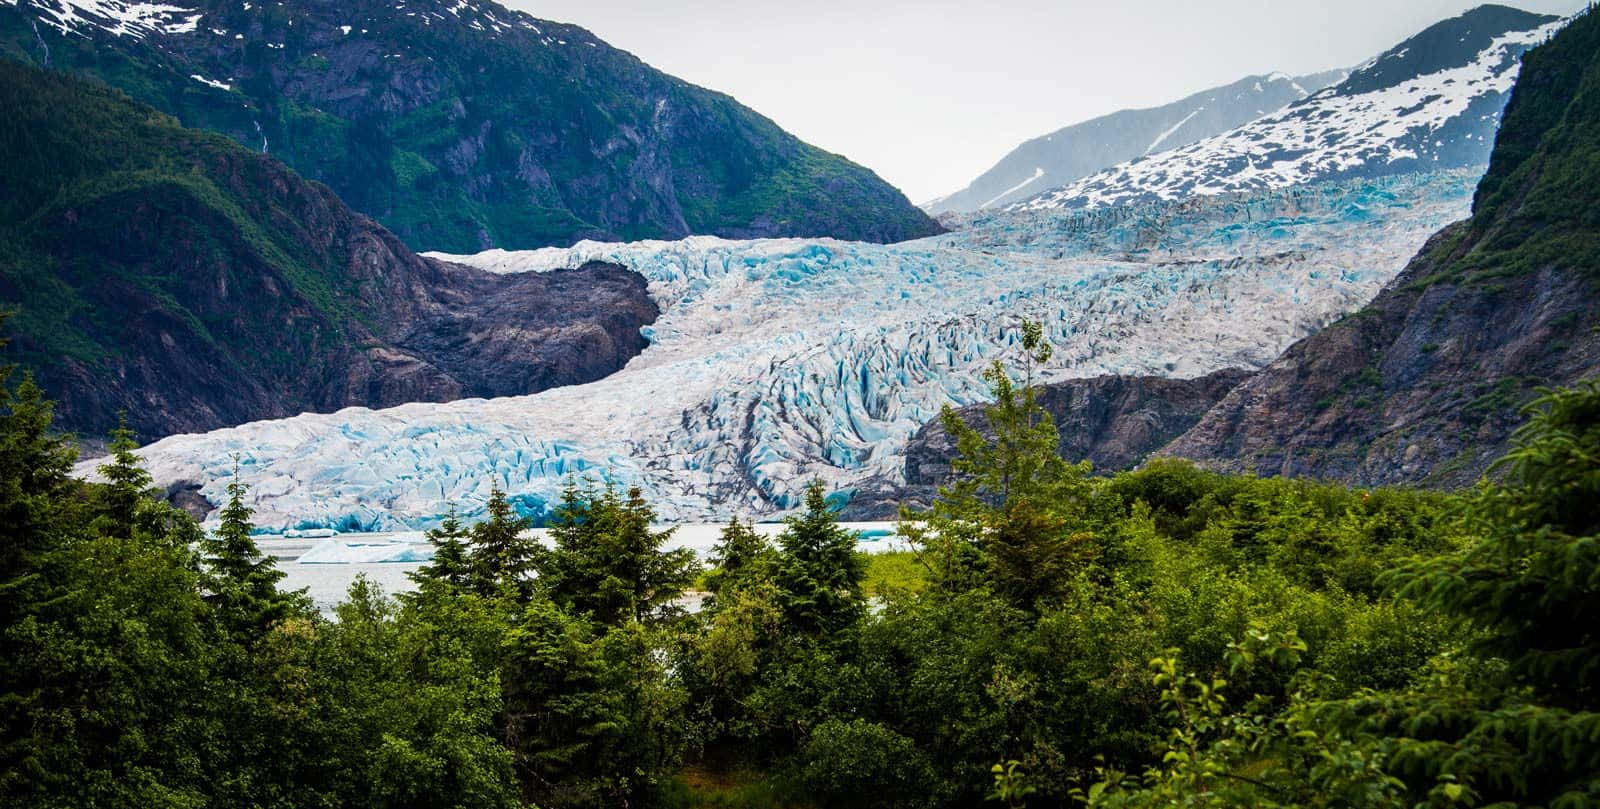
point(428, 405)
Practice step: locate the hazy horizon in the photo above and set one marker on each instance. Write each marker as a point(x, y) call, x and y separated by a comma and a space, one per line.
point(931, 94)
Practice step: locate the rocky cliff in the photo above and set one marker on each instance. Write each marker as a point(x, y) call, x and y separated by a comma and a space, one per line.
point(194, 284)
point(1423, 385)
point(464, 125)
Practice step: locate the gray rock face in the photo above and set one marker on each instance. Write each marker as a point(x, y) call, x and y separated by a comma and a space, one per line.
point(1114, 422)
point(1422, 387)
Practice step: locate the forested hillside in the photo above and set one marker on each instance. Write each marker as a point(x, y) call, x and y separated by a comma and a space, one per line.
point(465, 125)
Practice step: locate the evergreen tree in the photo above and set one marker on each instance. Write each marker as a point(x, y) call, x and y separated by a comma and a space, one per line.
point(35, 478)
point(1533, 582)
point(1013, 515)
point(741, 556)
point(607, 561)
point(128, 484)
point(653, 578)
point(819, 570)
point(450, 566)
point(501, 559)
point(242, 582)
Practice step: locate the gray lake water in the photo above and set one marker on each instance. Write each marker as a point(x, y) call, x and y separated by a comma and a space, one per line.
point(327, 567)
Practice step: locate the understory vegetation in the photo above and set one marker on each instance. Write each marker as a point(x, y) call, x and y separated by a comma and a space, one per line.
point(1162, 637)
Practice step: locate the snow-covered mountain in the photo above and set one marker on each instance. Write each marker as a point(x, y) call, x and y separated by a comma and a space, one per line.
point(776, 361)
point(1431, 102)
point(1053, 160)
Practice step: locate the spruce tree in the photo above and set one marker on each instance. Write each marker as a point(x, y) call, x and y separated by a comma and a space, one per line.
point(242, 582)
point(35, 480)
point(450, 565)
point(741, 556)
point(500, 558)
point(654, 578)
point(608, 563)
point(1013, 514)
point(819, 571)
point(127, 482)
point(1532, 585)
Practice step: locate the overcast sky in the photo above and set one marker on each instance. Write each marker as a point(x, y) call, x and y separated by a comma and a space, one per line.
point(930, 93)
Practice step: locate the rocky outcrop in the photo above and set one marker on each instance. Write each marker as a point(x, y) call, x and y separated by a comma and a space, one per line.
point(195, 285)
point(1114, 422)
point(466, 125)
point(1424, 385)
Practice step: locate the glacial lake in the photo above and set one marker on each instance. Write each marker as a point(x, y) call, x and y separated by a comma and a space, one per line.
point(327, 566)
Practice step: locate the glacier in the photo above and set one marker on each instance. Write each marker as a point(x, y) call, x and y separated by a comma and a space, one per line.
point(779, 361)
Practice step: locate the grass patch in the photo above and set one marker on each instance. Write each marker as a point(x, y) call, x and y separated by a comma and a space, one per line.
point(699, 787)
point(894, 571)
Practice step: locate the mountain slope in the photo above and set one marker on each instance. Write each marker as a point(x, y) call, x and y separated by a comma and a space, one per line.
point(1067, 154)
point(1429, 103)
point(173, 274)
point(1422, 385)
point(463, 125)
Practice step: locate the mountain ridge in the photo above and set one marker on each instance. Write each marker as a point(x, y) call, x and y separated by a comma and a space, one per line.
point(464, 125)
point(1424, 385)
point(1441, 112)
point(1080, 149)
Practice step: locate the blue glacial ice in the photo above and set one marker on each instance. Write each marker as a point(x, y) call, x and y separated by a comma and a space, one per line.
point(778, 361)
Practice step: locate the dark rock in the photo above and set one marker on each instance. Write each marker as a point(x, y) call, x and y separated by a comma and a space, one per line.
point(186, 495)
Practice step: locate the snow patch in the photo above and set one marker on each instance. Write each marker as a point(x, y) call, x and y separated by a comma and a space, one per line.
point(1161, 138)
point(220, 85)
point(130, 19)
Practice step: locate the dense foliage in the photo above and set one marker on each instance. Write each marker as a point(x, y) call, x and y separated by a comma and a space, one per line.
point(1166, 637)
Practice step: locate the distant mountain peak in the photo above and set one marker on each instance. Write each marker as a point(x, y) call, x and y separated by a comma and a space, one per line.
point(1439, 47)
point(1431, 102)
point(1067, 154)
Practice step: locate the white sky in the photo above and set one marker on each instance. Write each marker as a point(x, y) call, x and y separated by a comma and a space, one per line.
point(930, 93)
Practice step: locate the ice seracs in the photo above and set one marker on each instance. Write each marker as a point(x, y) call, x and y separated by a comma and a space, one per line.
point(778, 361)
